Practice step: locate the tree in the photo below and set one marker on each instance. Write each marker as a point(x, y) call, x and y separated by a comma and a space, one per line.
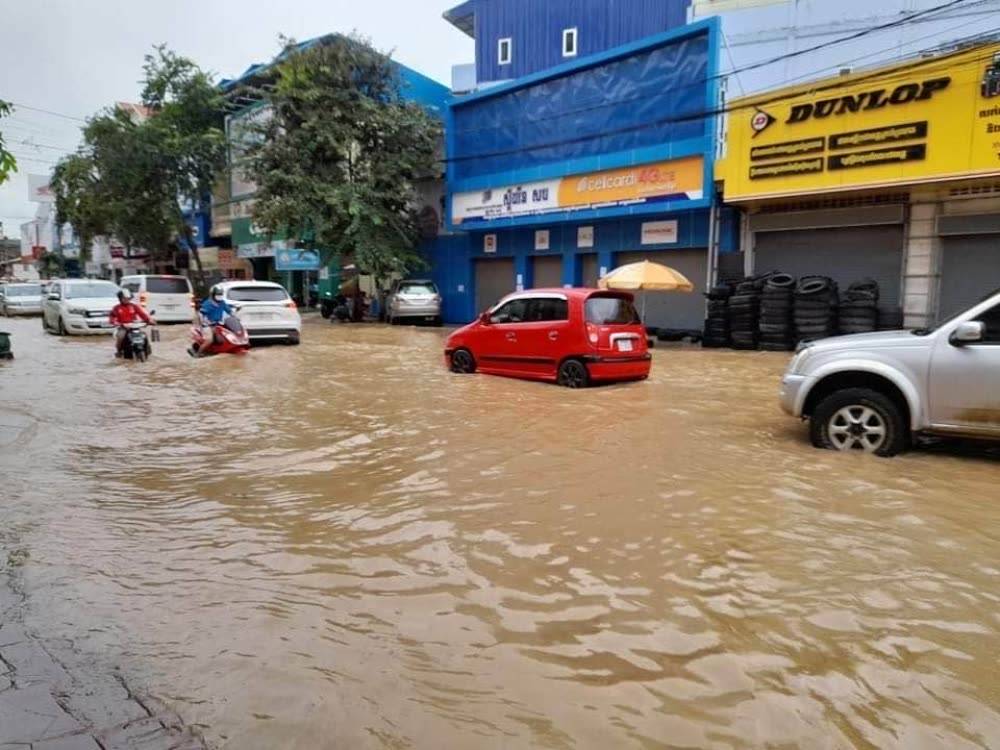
point(336, 159)
point(8, 164)
point(135, 172)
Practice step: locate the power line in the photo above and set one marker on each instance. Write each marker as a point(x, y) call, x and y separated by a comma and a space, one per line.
point(704, 114)
point(33, 144)
point(48, 112)
point(848, 38)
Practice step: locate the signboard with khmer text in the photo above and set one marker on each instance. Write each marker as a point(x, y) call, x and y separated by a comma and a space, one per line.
point(922, 121)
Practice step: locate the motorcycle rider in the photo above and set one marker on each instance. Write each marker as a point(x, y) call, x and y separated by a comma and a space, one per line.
point(126, 311)
point(214, 311)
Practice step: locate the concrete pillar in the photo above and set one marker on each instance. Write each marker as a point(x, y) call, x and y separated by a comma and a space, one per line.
point(921, 263)
point(605, 262)
point(522, 272)
point(569, 268)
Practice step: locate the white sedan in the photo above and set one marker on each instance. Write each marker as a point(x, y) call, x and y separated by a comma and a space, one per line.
point(265, 309)
point(79, 306)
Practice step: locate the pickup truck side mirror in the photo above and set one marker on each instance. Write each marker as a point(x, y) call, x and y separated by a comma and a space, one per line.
point(55, 297)
point(968, 332)
point(485, 318)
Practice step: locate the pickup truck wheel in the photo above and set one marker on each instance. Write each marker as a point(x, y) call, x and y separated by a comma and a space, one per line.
point(859, 419)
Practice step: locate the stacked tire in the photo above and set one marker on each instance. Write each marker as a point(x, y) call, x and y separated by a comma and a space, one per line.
point(890, 319)
point(716, 332)
point(744, 314)
point(776, 326)
point(815, 308)
point(858, 311)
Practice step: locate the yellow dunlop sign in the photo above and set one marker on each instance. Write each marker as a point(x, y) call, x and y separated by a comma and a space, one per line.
point(921, 121)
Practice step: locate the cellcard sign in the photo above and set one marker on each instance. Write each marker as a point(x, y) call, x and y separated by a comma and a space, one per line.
point(678, 179)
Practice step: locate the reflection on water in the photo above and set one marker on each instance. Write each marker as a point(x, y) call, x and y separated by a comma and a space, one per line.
point(342, 545)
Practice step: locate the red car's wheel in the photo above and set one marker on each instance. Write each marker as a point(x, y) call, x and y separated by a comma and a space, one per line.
point(462, 361)
point(573, 374)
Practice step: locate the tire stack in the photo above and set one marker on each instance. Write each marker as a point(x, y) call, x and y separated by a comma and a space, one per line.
point(858, 311)
point(777, 331)
point(717, 321)
point(890, 319)
point(815, 308)
point(744, 314)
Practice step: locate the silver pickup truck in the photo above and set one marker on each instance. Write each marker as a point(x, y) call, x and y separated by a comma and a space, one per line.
point(874, 391)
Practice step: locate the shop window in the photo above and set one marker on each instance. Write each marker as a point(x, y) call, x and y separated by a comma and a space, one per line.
point(569, 43)
point(504, 50)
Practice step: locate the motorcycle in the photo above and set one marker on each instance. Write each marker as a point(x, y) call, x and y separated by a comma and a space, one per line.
point(136, 344)
point(228, 337)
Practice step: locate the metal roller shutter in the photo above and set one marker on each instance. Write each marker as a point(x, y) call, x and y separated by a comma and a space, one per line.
point(546, 271)
point(970, 269)
point(494, 279)
point(589, 270)
point(673, 309)
point(845, 254)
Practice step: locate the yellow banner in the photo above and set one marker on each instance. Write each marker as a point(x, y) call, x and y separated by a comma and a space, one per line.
point(921, 121)
point(680, 178)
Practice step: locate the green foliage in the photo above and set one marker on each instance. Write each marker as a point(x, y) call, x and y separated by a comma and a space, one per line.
point(132, 173)
point(336, 158)
point(8, 164)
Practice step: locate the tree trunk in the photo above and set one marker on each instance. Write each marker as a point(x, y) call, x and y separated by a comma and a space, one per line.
point(193, 246)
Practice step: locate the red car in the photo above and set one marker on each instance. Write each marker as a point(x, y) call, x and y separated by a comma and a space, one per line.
point(570, 336)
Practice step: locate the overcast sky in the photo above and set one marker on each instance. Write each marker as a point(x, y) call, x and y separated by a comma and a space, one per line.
point(76, 56)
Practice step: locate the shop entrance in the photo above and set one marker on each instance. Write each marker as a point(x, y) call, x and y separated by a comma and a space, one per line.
point(970, 269)
point(546, 271)
point(494, 280)
point(673, 309)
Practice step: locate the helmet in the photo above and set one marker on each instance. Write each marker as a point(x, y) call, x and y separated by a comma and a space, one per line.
point(216, 291)
point(124, 295)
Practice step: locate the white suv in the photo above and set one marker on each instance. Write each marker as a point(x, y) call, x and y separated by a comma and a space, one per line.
point(265, 309)
point(79, 306)
point(874, 391)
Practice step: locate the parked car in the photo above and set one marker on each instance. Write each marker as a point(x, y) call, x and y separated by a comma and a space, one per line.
point(571, 336)
point(265, 309)
point(874, 392)
point(171, 296)
point(414, 299)
point(21, 298)
point(79, 306)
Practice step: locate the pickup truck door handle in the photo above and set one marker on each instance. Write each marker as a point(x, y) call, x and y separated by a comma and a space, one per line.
point(553, 335)
point(511, 336)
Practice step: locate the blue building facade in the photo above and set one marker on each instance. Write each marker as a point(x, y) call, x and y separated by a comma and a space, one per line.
point(538, 35)
point(563, 174)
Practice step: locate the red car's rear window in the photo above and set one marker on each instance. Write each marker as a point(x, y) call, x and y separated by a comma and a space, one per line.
point(610, 311)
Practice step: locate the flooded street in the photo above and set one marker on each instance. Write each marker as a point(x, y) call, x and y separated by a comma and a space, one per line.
point(342, 545)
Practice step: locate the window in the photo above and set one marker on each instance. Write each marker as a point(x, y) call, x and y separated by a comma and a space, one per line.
point(28, 290)
point(547, 309)
point(992, 320)
point(132, 286)
point(257, 294)
point(605, 311)
point(418, 288)
point(569, 43)
point(504, 50)
point(514, 311)
point(90, 290)
point(167, 285)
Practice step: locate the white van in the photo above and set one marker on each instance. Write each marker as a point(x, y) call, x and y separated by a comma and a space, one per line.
point(170, 297)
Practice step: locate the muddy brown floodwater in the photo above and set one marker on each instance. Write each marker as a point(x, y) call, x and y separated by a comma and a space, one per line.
point(341, 545)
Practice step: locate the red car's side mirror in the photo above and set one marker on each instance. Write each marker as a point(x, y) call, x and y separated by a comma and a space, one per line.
point(485, 318)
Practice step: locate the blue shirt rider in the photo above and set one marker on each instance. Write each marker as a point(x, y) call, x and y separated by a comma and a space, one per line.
point(213, 312)
point(215, 309)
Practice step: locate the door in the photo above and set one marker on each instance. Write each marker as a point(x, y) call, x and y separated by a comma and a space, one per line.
point(673, 309)
point(494, 281)
point(546, 271)
point(965, 380)
point(50, 307)
point(970, 269)
point(589, 270)
point(499, 344)
point(545, 336)
point(845, 254)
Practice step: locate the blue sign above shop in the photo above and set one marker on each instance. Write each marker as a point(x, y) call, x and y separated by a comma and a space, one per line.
point(296, 260)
